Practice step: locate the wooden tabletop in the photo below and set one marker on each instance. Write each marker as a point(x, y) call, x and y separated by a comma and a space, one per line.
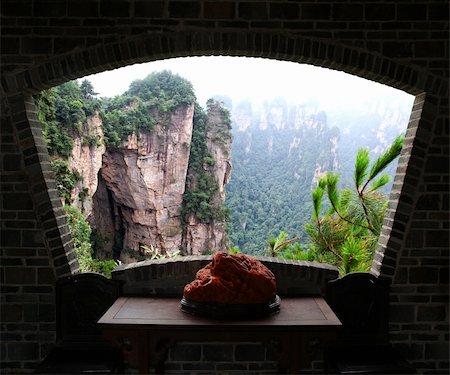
point(140, 312)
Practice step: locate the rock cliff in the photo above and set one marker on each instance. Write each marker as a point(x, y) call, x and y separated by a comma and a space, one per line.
point(137, 188)
point(145, 180)
point(209, 234)
point(86, 159)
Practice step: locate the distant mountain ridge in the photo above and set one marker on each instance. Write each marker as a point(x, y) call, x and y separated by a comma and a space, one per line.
point(280, 150)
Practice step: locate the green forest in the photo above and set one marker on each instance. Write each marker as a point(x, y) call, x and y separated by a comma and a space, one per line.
point(270, 188)
point(277, 203)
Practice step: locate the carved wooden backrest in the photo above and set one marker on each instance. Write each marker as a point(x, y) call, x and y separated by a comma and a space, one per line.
point(360, 301)
point(81, 300)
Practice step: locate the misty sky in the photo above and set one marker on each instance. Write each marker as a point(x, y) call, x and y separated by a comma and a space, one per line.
point(254, 78)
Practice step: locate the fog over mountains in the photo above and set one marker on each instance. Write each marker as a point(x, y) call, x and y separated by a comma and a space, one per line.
point(281, 147)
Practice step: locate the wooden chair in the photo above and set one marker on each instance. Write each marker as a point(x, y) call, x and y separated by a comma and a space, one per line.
point(361, 302)
point(80, 348)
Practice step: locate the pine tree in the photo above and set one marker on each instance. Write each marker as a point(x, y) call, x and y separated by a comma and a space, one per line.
point(347, 233)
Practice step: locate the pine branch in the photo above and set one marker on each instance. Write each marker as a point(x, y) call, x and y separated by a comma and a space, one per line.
point(384, 159)
point(361, 164)
point(327, 245)
point(284, 243)
point(383, 180)
point(332, 180)
point(366, 213)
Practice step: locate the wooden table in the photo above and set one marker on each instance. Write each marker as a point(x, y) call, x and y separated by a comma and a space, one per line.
point(145, 328)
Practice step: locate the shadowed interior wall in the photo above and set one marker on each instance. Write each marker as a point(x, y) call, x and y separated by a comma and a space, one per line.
point(399, 43)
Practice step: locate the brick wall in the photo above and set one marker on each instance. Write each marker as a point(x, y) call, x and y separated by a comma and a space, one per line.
point(400, 43)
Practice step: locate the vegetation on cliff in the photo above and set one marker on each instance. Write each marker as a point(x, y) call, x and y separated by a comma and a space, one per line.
point(62, 112)
point(146, 102)
point(81, 235)
point(201, 184)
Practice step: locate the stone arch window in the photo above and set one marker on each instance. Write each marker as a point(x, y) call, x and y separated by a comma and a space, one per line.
point(150, 47)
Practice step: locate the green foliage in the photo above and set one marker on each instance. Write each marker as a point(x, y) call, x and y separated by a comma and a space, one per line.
point(234, 250)
point(62, 112)
point(56, 136)
point(284, 247)
point(146, 102)
point(269, 191)
point(202, 187)
point(91, 141)
point(81, 233)
point(151, 252)
point(219, 124)
point(386, 158)
point(346, 235)
point(123, 115)
point(66, 179)
point(164, 91)
point(361, 165)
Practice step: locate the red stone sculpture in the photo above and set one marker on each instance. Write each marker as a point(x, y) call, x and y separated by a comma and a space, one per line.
point(232, 279)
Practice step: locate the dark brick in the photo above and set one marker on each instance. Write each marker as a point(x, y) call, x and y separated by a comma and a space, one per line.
point(17, 201)
point(429, 202)
point(431, 313)
point(218, 10)
point(20, 275)
point(401, 313)
point(17, 8)
point(10, 237)
point(401, 275)
point(23, 351)
point(154, 9)
point(11, 262)
point(380, 11)
point(32, 238)
point(199, 366)
point(66, 44)
point(87, 9)
point(9, 46)
point(423, 275)
point(29, 298)
point(438, 11)
point(179, 9)
point(437, 164)
point(39, 312)
point(46, 276)
point(347, 12)
point(429, 48)
point(36, 45)
point(11, 313)
point(186, 352)
point(411, 12)
point(444, 275)
point(119, 8)
point(217, 352)
point(232, 367)
point(38, 289)
point(249, 352)
point(250, 11)
point(49, 8)
point(37, 262)
point(284, 11)
point(437, 238)
point(315, 12)
point(397, 49)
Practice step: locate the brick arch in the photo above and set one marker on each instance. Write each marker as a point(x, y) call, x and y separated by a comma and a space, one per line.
point(275, 45)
